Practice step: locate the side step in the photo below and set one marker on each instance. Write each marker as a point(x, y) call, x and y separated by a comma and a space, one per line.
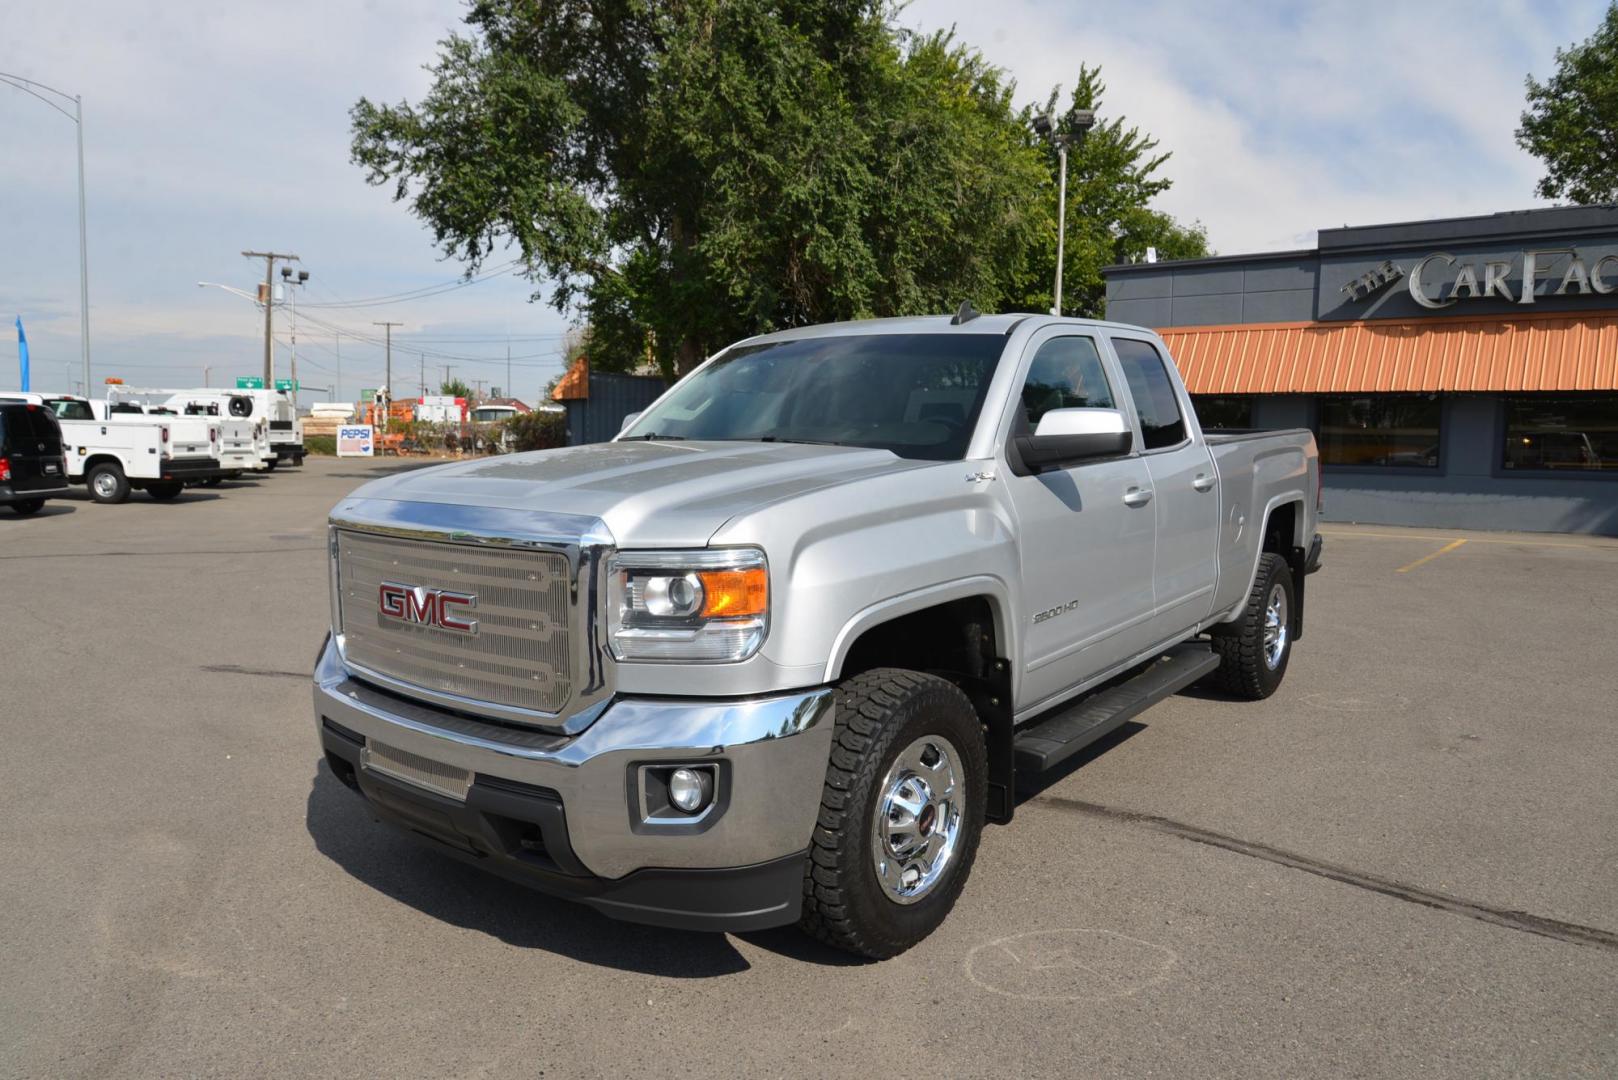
point(1045, 745)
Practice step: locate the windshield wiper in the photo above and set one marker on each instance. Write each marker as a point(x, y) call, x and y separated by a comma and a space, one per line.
point(649, 436)
point(807, 442)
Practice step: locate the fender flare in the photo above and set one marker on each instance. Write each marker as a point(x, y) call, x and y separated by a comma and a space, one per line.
point(1000, 609)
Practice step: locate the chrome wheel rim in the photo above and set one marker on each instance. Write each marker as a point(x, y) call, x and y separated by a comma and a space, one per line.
point(105, 485)
point(916, 826)
point(1276, 628)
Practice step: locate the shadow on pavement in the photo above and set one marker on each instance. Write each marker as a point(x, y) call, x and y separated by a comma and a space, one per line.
point(387, 860)
point(52, 508)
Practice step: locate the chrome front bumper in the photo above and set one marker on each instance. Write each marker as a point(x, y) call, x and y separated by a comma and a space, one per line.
point(771, 752)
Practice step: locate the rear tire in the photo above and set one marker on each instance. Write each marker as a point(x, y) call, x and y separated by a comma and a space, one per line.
point(107, 483)
point(900, 815)
point(25, 507)
point(1254, 649)
point(164, 490)
point(273, 462)
point(213, 481)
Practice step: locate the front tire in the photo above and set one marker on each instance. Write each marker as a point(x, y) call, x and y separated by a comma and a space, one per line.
point(107, 483)
point(1255, 649)
point(900, 815)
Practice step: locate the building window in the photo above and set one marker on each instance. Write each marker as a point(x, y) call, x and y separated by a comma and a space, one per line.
point(1562, 433)
point(1223, 412)
point(1398, 430)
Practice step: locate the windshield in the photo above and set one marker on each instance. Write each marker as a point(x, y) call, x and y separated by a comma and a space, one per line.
point(917, 395)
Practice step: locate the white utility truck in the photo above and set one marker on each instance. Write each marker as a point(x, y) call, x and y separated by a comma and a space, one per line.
point(120, 453)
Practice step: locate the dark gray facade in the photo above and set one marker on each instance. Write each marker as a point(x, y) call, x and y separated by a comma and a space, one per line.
point(1473, 267)
point(600, 416)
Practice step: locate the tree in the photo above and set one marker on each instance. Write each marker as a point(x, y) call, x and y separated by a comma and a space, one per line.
point(1113, 175)
point(684, 173)
point(1571, 123)
point(454, 388)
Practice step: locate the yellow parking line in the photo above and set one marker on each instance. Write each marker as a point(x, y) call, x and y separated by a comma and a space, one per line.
point(1451, 546)
point(1514, 542)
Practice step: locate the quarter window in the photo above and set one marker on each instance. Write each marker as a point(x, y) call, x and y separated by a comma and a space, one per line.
point(1157, 406)
point(1397, 430)
point(1066, 373)
point(1562, 433)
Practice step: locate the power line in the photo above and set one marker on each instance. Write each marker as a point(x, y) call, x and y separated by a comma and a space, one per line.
point(423, 292)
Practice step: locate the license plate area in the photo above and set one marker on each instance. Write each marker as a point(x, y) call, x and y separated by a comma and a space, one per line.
point(52, 469)
point(434, 776)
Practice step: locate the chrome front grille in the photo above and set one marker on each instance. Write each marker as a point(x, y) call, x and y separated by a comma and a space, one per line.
point(518, 658)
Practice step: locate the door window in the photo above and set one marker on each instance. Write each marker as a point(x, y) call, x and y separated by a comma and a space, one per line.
point(1066, 373)
point(1161, 424)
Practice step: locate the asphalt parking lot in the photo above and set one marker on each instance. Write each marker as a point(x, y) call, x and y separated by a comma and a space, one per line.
point(1405, 862)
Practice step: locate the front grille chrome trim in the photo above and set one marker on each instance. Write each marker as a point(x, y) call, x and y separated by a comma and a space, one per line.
point(583, 542)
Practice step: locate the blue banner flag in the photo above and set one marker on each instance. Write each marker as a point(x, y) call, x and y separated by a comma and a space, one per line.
point(22, 353)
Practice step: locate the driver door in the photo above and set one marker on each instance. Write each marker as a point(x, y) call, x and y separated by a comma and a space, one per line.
point(1086, 532)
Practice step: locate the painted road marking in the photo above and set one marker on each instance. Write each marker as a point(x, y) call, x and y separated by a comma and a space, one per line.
point(1451, 546)
point(1471, 539)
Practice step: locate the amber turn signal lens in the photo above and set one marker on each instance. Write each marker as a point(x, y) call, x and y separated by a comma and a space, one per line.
point(733, 593)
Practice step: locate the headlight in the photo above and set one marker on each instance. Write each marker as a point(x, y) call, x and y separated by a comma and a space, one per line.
point(688, 605)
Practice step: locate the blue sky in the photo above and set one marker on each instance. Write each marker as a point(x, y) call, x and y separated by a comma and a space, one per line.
point(213, 128)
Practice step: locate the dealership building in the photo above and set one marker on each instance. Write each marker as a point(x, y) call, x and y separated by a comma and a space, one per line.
point(1457, 373)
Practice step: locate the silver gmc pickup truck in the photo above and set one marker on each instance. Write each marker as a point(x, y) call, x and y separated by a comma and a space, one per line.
point(779, 651)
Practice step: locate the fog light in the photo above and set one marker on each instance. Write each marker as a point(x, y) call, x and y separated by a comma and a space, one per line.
point(689, 789)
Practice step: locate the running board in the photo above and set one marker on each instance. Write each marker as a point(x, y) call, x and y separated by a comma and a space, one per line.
point(1046, 744)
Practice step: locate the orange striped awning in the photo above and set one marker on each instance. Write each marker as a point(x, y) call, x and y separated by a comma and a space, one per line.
point(1533, 352)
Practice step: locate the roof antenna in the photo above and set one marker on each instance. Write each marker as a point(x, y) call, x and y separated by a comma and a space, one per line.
point(965, 313)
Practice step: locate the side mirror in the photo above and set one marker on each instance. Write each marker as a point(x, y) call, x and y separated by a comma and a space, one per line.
point(628, 420)
point(1066, 436)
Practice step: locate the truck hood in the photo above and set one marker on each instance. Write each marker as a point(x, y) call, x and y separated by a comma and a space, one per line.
point(649, 494)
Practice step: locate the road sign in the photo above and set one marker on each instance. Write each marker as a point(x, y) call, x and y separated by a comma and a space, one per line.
point(286, 384)
point(368, 395)
point(249, 382)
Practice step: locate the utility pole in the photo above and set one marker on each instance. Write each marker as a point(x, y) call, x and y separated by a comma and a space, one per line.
point(478, 384)
point(1082, 120)
point(508, 371)
point(269, 258)
point(387, 384)
point(337, 340)
point(207, 369)
point(422, 359)
point(447, 369)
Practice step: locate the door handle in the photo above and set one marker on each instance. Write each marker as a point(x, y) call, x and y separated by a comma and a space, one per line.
point(1203, 482)
point(1137, 497)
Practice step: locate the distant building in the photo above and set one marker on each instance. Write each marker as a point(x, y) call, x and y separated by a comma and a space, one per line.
point(598, 401)
point(1461, 372)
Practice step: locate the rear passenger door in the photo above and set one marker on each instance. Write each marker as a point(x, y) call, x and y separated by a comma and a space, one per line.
point(1184, 488)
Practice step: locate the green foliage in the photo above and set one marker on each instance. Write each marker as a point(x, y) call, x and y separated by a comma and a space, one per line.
point(685, 173)
point(454, 388)
point(320, 444)
point(536, 430)
point(1571, 123)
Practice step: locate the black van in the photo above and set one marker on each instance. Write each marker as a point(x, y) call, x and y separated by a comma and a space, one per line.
point(31, 465)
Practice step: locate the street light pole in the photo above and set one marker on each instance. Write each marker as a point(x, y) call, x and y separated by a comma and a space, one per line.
point(1081, 121)
point(84, 251)
point(28, 86)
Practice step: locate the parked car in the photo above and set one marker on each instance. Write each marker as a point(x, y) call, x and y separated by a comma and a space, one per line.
point(31, 466)
point(778, 652)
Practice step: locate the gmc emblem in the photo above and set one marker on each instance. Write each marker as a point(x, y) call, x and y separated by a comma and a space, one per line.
point(427, 607)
